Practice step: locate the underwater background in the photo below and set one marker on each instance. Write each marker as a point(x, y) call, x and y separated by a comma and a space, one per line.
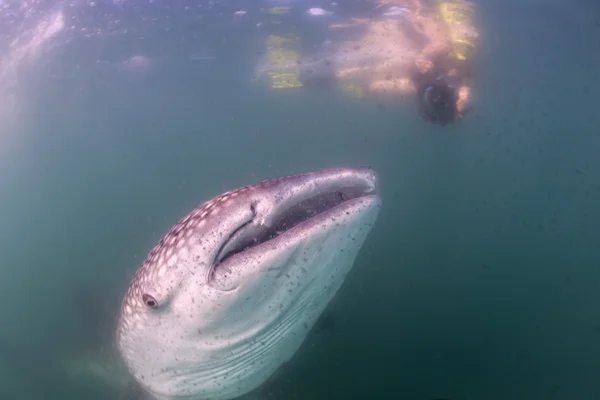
point(479, 281)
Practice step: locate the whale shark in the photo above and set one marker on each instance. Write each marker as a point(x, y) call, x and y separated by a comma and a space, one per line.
point(227, 297)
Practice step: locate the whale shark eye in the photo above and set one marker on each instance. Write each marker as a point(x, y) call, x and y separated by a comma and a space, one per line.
point(149, 301)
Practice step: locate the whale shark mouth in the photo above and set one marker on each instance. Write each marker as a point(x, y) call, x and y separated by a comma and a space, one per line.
point(287, 219)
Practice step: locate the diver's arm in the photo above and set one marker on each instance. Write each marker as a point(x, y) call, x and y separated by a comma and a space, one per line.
point(438, 43)
point(464, 95)
point(430, 27)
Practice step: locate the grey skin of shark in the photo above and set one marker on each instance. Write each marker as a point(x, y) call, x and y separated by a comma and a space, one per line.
point(229, 293)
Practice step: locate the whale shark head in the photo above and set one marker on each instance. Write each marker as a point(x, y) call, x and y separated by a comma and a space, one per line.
point(230, 292)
